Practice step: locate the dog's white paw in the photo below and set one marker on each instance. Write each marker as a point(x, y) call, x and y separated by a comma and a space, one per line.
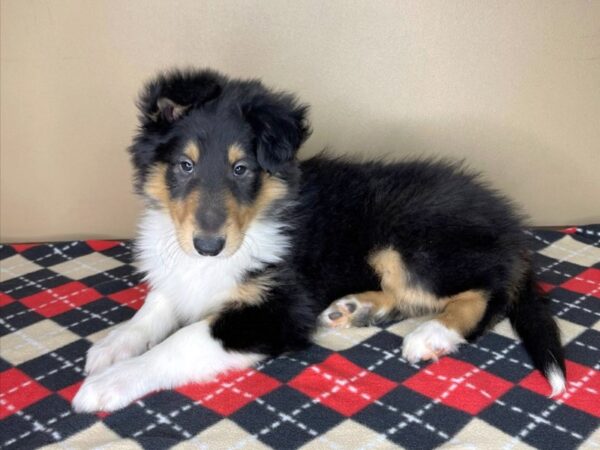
point(346, 312)
point(121, 343)
point(430, 340)
point(112, 389)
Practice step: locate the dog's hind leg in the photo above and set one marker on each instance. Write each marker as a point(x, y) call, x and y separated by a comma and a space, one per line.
point(397, 295)
point(358, 310)
point(462, 313)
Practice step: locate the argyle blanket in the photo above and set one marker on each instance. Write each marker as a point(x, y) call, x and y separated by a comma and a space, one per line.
point(351, 389)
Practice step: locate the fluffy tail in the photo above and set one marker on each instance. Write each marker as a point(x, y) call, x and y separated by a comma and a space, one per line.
point(532, 320)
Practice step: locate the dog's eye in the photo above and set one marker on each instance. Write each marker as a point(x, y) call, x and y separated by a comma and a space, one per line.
point(186, 165)
point(239, 169)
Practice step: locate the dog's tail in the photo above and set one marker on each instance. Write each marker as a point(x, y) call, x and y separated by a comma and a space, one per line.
point(531, 318)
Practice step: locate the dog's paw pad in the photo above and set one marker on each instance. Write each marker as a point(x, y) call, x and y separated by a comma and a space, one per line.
point(345, 312)
point(335, 315)
point(430, 340)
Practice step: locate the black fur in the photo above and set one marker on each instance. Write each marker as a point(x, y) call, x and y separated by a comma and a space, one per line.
point(540, 338)
point(454, 233)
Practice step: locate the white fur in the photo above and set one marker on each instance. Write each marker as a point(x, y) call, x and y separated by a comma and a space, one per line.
point(430, 340)
point(198, 285)
point(191, 354)
point(184, 289)
point(150, 325)
point(557, 381)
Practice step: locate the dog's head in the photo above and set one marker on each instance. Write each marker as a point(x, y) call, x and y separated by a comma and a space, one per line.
point(216, 154)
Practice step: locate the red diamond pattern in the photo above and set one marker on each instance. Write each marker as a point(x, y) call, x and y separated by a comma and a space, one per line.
point(63, 298)
point(546, 287)
point(69, 392)
point(231, 391)
point(583, 385)
point(5, 299)
point(459, 385)
point(102, 245)
point(132, 297)
point(587, 282)
point(342, 385)
point(19, 391)
point(20, 248)
point(570, 230)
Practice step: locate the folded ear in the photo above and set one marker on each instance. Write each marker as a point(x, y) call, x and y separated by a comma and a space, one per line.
point(280, 126)
point(167, 110)
point(170, 96)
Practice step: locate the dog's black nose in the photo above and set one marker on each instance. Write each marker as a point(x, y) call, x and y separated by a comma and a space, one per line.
point(209, 245)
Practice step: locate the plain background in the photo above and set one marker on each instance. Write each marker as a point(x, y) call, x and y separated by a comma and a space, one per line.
point(512, 86)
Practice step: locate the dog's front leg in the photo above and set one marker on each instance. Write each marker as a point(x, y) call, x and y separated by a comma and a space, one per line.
point(150, 325)
point(190, 354)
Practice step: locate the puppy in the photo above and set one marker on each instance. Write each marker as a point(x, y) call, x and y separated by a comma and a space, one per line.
point(246, 249)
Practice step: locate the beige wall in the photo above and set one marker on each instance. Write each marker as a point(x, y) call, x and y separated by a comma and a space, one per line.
point(513, 86)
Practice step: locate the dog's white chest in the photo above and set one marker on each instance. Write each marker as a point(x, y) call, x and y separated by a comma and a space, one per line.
point(197, 289)
point(197, 286)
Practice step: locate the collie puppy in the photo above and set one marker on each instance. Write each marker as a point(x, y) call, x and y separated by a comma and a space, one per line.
point(248, 250)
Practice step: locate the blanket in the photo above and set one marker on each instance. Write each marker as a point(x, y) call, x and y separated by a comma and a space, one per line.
point(351, 389)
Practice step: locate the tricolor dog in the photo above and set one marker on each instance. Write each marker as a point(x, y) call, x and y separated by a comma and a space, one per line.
point(247, 250)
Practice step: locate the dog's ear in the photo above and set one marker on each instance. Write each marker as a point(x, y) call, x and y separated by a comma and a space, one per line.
point(280, 126)
point(167, 110)
point(170, 96)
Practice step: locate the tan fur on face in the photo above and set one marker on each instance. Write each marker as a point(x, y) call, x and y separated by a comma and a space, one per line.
point(239, 217)
point(235, 153)
point(192, 151)
point(155, 187)
point(464, 311)
point(182, 211)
